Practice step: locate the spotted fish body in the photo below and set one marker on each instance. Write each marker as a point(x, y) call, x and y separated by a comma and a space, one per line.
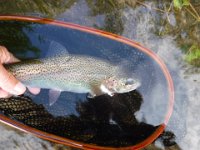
point(74, 73)
point(79, 74)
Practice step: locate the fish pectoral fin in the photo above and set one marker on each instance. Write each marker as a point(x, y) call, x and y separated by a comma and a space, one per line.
point(91, 95)
point(111, 94)
point(53, 96)
point(95, 91)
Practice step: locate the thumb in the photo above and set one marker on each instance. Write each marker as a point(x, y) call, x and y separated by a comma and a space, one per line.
point(9, 83)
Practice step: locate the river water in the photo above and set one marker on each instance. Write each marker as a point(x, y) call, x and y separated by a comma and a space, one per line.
point(139, 23)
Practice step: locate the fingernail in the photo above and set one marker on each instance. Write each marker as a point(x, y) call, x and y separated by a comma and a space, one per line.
point(34, 91)
point(19, 88)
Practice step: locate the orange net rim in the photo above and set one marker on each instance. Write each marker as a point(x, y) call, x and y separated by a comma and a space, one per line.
point(68, 142)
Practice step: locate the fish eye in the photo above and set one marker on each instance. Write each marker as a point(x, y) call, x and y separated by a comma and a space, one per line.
point(129, 81)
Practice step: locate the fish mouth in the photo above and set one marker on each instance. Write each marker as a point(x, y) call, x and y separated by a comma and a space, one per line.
point(129, 81)
point(128, 87)
point(136, 85)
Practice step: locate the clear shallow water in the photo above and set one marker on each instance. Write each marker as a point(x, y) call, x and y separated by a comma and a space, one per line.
point(14, 139)
point(139, 24)
point(151, 100)
point(182, 123)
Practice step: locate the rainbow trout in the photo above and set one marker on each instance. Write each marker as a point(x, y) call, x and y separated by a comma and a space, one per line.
point(74, 73)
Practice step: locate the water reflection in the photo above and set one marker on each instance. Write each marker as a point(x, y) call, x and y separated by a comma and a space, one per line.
point(19, 42)
point(103, 121)
point(113, 118)
point(149, 28)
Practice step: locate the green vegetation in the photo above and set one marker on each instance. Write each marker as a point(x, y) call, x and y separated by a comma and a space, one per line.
point(188, 7)
point(191, 29)
point(193, 55)
point(185, 26)
point(180, 3)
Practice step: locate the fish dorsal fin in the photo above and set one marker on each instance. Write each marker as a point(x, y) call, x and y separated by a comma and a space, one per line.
point(56, 50)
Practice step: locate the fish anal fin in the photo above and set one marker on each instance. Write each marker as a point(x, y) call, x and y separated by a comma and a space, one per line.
point(91, 95)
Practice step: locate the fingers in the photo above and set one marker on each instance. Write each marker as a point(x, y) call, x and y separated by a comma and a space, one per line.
point(6, 56)
point(9, 83)
point(4, 94)
point(34, 91)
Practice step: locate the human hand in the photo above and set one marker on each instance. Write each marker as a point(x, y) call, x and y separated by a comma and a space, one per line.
point(9, 85)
